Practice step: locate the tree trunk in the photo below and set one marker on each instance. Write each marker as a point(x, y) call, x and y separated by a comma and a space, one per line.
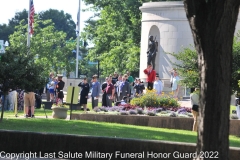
point(213, 24)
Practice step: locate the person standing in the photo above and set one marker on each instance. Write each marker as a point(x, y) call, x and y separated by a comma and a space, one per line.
point(175, 84)
point(117, 88)
point(124, 88)
point(138, 87)
point(130, 80)
point(194, 97)
point(47, 86)
point(158, 86)
point(51, 89)
point(29, 101)
point(84, 93)
point(95, 91)
point(110, 90)
point(114, 81)
point(59, 88)
point(151, 74)
point(171, 78)
point(114, 78)
point(104, 96)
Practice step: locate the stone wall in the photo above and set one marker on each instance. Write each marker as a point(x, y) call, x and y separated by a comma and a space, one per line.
point(153, 121)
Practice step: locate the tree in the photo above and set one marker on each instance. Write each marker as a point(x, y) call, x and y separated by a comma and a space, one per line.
point(116, 34)
point(187, 66)
point(18, 70)
point(47, 44)
point(62, 22)
point(212, 23)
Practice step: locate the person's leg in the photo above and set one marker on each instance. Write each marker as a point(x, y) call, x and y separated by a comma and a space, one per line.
point(26, 111)
point(104, 103)
point(107, 100)
point(32, 103)
point(92, 102)
point(175, 93)
point(85, 107)
point(48, 95)
point(150, 86)
point(26, 103)
point(120, 97)
point(51, 97)
point(195, 114)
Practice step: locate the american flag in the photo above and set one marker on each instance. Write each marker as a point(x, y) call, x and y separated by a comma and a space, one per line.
point(31, 17)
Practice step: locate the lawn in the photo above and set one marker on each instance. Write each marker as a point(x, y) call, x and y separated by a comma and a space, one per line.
point(99, 129)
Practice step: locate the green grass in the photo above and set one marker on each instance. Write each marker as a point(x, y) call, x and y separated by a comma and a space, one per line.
point(101, 129)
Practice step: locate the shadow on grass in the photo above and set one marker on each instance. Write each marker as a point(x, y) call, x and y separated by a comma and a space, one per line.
point(103, 129)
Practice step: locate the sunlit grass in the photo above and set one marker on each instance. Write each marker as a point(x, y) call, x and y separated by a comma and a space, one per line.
point(103, 129)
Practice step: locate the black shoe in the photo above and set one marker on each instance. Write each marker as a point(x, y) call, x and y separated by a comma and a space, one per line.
point(26, 116)
point(33, 116)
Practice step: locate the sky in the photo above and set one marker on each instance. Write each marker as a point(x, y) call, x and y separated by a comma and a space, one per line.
point(10, 7)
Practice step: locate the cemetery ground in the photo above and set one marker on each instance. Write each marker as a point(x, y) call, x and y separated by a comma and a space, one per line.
point(42, 124)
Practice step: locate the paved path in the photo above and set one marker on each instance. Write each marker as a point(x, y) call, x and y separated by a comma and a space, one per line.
point(185, 103)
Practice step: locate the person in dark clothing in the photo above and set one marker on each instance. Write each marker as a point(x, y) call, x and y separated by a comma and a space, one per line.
point(84, 93)
point(104, 86)
point(60, 87)
point(114, 78)
point(139, 87)
point(38, 98)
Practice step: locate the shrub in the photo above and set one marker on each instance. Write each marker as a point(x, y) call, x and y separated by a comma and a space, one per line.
point(132, 111)
point(173, 114)
point(124, 113)
point(151, 99)
point(140, 111)
point(151, 113)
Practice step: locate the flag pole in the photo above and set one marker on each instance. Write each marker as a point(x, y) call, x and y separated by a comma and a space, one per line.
point(78, 32)
point(28, 30)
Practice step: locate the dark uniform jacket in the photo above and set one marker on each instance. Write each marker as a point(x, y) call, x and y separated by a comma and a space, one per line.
point(60, 87)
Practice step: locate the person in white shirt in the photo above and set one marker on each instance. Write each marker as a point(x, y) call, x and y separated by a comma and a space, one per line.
point(158, 85)
point(51, 89)
point(194, 97)
point(117, 86)
point(175, 86)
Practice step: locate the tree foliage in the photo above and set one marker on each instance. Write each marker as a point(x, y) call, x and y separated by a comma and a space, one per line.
point(62, 22)
point(19, 70)
point(116, 34)
point(47, 44)
point(187, 66)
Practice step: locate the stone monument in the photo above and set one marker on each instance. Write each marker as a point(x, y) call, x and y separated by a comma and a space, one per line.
point(168, 23)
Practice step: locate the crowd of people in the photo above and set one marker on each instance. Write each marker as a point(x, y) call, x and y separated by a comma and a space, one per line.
point(122, 87)
point(117, 87)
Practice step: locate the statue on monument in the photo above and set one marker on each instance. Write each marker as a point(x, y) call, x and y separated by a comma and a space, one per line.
point(152, 51)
